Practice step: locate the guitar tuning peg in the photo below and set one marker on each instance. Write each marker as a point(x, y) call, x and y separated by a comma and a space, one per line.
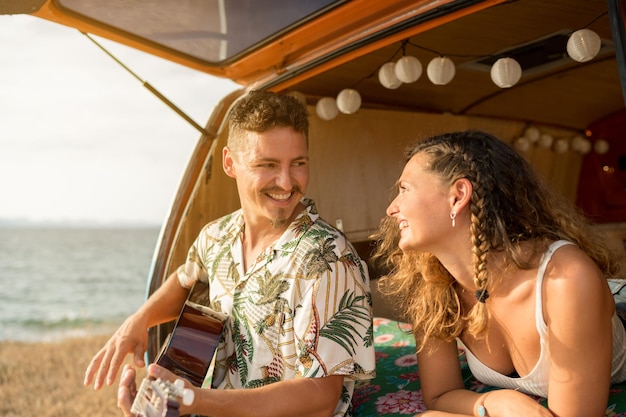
point(188, 396)
point(179, 384)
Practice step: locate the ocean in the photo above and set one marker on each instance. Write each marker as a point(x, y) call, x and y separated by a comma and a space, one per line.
point(60, 282)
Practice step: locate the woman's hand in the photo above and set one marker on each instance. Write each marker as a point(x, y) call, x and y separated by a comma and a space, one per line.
point(501, 403)
point(511, 403)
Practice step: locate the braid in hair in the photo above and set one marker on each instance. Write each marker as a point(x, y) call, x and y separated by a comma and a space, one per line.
point(480, 222)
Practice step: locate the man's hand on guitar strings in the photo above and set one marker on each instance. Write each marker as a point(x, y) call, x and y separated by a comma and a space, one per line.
point(127, 390)
point(161, 393)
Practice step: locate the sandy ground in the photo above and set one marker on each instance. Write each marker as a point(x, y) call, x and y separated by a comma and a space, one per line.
point(46, 380)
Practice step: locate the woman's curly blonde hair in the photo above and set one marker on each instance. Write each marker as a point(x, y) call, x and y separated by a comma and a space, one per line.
point(509, 206)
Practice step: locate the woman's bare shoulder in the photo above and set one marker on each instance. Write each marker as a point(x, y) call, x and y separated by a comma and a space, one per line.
point(573, 281)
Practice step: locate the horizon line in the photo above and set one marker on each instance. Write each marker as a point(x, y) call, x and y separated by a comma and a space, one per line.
point(26, 222)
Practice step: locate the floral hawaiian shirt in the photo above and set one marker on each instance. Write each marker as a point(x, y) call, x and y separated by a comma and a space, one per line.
point(303, 309)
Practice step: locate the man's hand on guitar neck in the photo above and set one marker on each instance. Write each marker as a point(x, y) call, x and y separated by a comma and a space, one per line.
point(127, 390)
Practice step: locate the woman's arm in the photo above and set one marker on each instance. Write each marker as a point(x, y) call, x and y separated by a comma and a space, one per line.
point(445, 395)
point(578, 307)
point(441, 379)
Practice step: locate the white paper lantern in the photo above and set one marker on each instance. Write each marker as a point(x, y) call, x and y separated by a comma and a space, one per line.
point(522, 144)
point(577, 143)
point(583, 45)
point(532, 133)
point(561, 145)
point(440, 70)
point(506, 72)
point(545, 140)
point(348, 101)
point(299, 96)
point(581, 144)
point(326, 108)
point(585, 147)
point(387, 76)
point(408, 69)
point(601, 147)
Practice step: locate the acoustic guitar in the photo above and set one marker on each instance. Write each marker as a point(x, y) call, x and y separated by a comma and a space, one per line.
point(187, 352)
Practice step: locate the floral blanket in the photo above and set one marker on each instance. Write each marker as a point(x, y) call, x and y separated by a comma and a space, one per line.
point(396, 389)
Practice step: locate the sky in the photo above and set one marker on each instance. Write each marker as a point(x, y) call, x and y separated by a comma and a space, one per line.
point(81, 139)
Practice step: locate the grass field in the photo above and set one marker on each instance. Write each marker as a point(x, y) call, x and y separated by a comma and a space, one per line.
point(46, 380)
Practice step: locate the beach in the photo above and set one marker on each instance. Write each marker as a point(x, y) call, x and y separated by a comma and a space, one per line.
point(45, 379)
point(63, 292)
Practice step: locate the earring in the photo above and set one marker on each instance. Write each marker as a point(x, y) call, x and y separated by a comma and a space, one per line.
point(453, 217)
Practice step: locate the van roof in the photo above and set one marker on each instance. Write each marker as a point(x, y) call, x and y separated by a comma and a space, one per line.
point(320, 47)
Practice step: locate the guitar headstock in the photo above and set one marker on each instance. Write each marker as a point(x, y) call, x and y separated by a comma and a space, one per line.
point(159, 398)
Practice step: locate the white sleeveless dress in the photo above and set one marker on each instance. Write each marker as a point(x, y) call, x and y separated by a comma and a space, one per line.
point(536, 382)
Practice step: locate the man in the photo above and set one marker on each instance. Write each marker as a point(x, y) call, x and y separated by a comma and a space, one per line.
point(300, 328)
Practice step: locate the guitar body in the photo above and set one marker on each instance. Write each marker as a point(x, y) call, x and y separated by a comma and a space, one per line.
point(187, 352)
point(189, 349)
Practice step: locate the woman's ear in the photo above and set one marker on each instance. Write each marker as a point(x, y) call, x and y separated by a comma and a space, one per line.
point(461, 194)
point(227, 162)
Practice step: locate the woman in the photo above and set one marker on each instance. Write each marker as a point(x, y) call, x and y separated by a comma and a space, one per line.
point(483, 254)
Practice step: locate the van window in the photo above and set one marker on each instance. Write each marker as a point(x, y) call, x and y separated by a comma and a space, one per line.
point(211, 30)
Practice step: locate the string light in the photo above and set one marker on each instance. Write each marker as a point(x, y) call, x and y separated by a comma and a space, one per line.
point(545, 140)
point(532, 133)
point(440, 70)
point(408, 69)
point(387, 76)
point(348, 101)
point(326, 108)
point(577, 143)
point(506, 72)
point(601, 146)
point(561, 145)
point(582, 46)
point(580, 144)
